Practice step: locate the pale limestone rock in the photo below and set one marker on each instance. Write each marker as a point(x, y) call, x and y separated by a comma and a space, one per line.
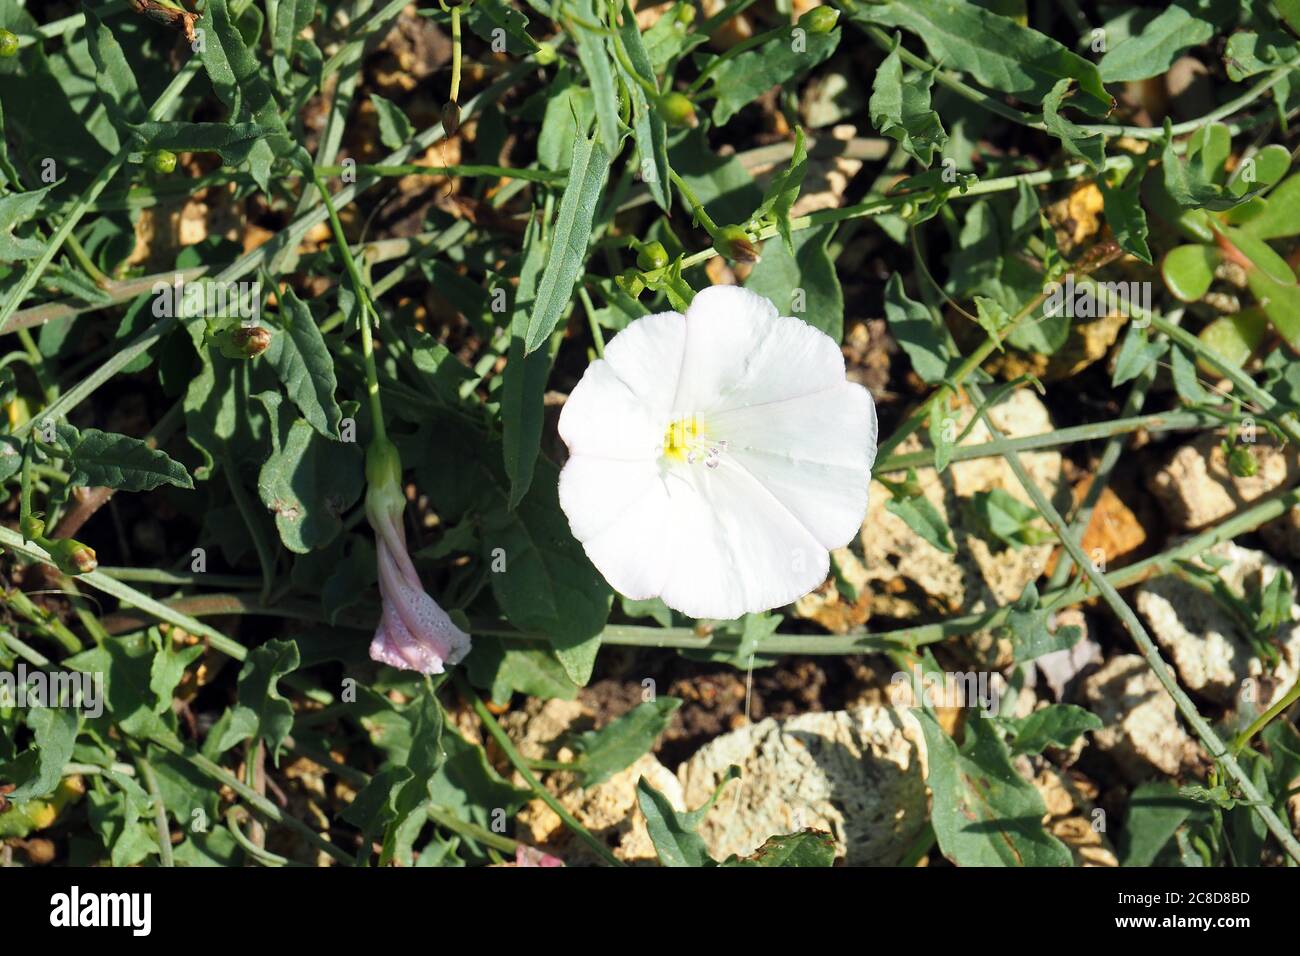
point(609, 809)
point(909, 576)
point(856, 774)
point(1196, 489)
point(1205, 641)
point(1073, 819)
point(1140, 723)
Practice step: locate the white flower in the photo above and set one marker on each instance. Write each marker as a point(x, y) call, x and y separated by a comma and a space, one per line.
point(716, 457)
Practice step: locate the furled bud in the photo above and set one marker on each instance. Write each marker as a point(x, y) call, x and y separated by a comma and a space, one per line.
point(652, 256)
point(1242, 462)
point(249, 341)
point(820, 20)
point(163, 161)
point(734, 243)
point(677, 110)
point(545, 54)
point(73, 557)
point(451, 117)
point(8, 43)
point(685, 14)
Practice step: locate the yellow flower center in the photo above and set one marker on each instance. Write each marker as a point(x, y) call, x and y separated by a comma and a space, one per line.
point(688, 440)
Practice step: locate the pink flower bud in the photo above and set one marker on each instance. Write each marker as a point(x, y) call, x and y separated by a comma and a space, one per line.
point(414, 633)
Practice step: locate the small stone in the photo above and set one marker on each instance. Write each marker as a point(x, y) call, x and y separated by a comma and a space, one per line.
point(1205, 641)
point(1140, 723)
point(856, 774)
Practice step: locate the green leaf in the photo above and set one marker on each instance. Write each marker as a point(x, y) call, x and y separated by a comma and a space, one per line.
point(1124, 213)
point(485, 16)
point(548, 585)
point(468, 786)
point(1261, 255)
point(1278, 216)
point(55, 732)
point(1137, 354)
point(901, 110)
point(914, 328)
point(238, 82)
point(262, 712)
point(1155, 811)
point(923, 518)
point(395, 130)
point(167, 669)
point(1234, 338)
point(568, 242)
point(603, 753)
point(741, 80)
point(673, 833)
point(518, 668)
point(1188, 271)
point(812, 848)
point(1196, 183)
point(983, 812)
point(1248, 53)
point(302, 361)
point(308, 481)
point(524, 379)
point(1151, 52)
point(1027, 627)
point(423, 761)
point(16, 209)
point(127, 665)
point(594, 57)
point(1090, 147)
point(116, 815)
point(648, 128)
point(114, 77)
point(943, 429)
point(96, 458)
point(996, 50)
point(804, 284)
point(1185, 381)
point(234, 142)
point(1056, 725)
point(1006, 519)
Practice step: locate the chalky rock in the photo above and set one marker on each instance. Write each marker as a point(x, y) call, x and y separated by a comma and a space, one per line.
point(609, 809)
point(1140, 728)
point(857, 774)
point(1195, 488)
point(909, 577)
point(1205, 640)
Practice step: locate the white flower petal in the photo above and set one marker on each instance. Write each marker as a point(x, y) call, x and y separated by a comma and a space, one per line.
point(739, 353)
point(637, 549)
point(813, 453)
point(595, 491)
point(735, 548)
point(620, 407)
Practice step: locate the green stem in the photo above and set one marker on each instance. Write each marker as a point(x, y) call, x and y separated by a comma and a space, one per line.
point(697, 207)
point(159, 810)
point(364, 305)
point(521, 765)
point(1265, 718)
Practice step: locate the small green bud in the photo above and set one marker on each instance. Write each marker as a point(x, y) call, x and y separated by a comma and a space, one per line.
point(677, 110)
point(163, 161)
point(652, 256)
point(72, 556)
point(1242, 462)
point(820, 20)
point(545, 54)
point(630, 281)
point(8, 43)
point(685, 14)
point(734, 243)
